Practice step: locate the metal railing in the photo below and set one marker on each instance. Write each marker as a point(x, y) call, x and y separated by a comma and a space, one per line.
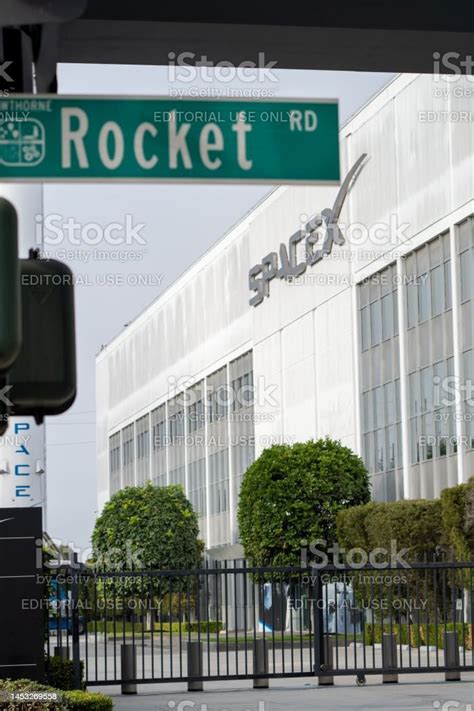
point(236, 622)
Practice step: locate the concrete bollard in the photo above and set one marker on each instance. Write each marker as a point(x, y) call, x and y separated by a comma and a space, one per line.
point(451, 657)
point(328, 663)
point(260, 663)
point(62, 652)
point(195, 665)
point(389, 658)
point(128, 661)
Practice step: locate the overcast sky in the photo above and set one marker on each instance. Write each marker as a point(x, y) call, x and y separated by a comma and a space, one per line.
point(174, 225)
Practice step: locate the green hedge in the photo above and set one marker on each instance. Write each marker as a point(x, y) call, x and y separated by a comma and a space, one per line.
point(87, 700)
point(204, 627)
point(457, 510)
point(413, 524)
point(59, 673)
point(164, 627)
point(66, 700)
point(420, 635)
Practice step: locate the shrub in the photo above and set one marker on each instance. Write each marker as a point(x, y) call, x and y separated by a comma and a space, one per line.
point(60, 673)
point(412, 524)
point(419, 635)
point(159, 627)
point(457, 510)
point(292, 494)
point(87, 701)
point(203, 627)
point(58, 700)
point(30, 688)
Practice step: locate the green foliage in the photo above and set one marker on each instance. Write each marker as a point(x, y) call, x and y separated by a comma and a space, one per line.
point(149, 528)
point(412, 528)
point(87, 701)
point(203, 627)
point(412, 524)
point(158, 628)
point(53, 699)
point(457, 510)
point(60, 673)
point(292, 494)
point(419, 635)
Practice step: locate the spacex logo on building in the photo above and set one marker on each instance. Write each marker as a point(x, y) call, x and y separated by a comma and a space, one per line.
point(285, 265)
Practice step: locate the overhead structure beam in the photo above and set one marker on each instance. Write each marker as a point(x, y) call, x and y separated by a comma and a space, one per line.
point(360, 35)
point(294, 47)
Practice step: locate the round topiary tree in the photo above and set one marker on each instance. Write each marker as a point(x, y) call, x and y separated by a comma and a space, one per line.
point(148, 528)
point(292, 494)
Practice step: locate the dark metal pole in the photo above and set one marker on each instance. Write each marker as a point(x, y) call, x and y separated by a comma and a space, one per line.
point(195, 667)
point(128, 659)
point(76, 652)
point(318, 621)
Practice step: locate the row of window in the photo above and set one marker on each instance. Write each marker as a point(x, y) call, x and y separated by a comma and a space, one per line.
point(176, 428)
point(429, 295)
point(379, 321)
point(431, 388)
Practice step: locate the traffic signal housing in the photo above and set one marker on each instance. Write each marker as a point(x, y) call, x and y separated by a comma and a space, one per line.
point(43, 377)
point(10, 296)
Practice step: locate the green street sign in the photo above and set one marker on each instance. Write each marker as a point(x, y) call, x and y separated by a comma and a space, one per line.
point(48, 138)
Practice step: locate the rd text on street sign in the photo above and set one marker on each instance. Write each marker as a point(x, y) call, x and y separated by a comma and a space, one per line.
point(152, 139)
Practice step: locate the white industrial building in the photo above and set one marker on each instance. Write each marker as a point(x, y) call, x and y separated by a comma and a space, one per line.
point(372, 345)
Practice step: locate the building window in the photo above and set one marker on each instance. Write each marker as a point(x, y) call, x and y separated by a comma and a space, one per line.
point(429, 286)
point(128, 455)
point(468, 370)
point(142, 429)
point(380, 380)
point(196, 448)
point(467, 270)
point(432, 421)
point(219, 482)
point(177, 444)
point(114, 463)
point(159, 472)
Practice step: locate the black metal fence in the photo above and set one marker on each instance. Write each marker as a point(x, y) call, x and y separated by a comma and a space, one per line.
point(240, 622)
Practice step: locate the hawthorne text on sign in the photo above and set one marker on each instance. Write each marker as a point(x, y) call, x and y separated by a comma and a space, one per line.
point(101, 139)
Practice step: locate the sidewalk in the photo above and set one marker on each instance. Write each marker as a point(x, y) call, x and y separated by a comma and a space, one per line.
point(420, 692)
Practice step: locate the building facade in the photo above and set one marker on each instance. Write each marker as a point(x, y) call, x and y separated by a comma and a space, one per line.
point(263, 341)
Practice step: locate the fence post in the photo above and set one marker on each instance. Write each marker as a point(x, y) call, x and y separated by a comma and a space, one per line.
point(195, 666)
point(260, 664)
point(327, 665)
point(318, 622)
point(128, 660)
point(451, 657)
point(76, 652)
point(389, 658)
